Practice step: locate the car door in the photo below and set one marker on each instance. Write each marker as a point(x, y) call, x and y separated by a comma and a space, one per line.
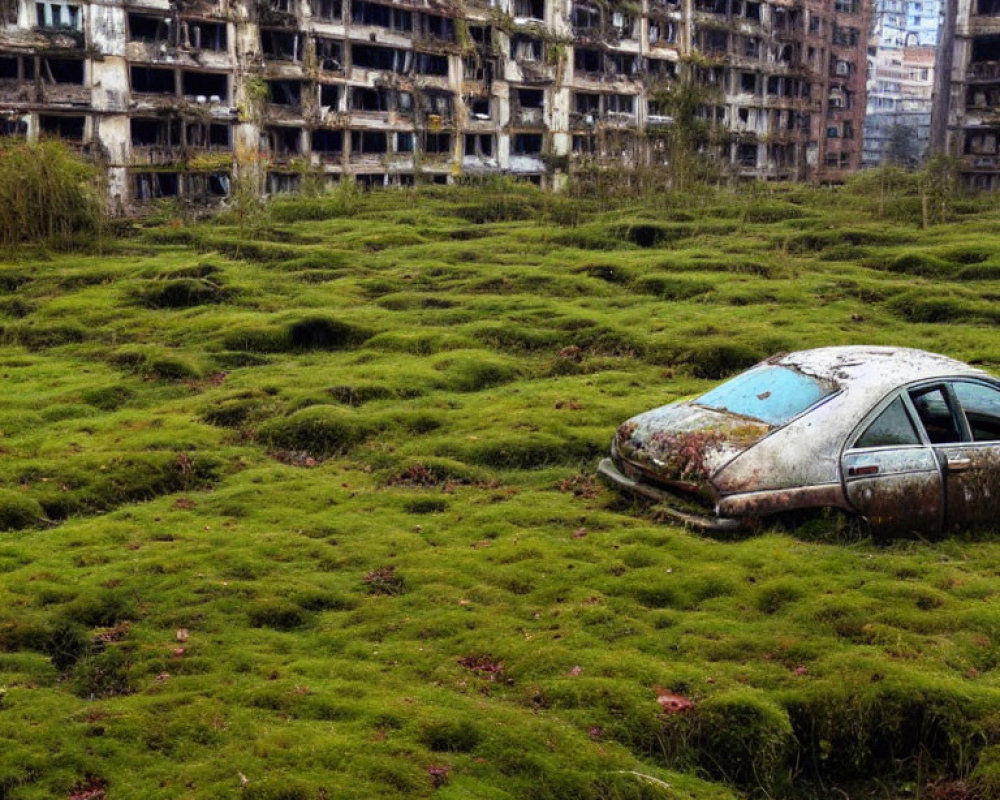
point(891, 474)
point(972, 466)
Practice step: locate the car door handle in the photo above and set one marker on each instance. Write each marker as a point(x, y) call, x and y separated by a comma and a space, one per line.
point(958, 463)
point(868, 469)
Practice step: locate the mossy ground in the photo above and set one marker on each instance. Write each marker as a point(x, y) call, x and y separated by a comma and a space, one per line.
point(313, 513)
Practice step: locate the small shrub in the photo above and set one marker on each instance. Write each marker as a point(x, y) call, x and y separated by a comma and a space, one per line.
point(321, 430)
point(451, 736)
point(18, 511)
point(103, 674)
point(281, 615)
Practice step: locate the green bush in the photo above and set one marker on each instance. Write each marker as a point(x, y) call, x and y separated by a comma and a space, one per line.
point(18, 511)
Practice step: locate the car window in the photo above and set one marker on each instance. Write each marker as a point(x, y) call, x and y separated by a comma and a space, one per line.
point(981, 405)
point(772, 394)
point(892, 427)
point(935, 414)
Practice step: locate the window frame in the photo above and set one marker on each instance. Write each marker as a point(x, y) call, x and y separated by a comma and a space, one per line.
point(967, 428)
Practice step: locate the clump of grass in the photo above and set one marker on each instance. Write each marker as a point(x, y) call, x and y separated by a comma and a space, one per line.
point(385, 581)
point(322, 430)
point(181, 293)
point(19, 511)
point(451, 736)
point(310, 333)
point(282, 615)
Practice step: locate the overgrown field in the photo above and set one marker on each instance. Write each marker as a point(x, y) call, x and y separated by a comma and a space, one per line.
point(310, 511)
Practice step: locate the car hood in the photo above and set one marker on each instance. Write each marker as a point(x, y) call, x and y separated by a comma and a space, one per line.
point(684, 445)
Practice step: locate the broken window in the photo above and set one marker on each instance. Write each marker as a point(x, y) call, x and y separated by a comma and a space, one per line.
point(430, 64)
point(746, 154)
point(285, 93)
point(364, 99)
point(477, 68)
point(585, 18)
point(986, 48)
point(479, 145)
point(437, 103)
point(988, 7)
point(10, 68)
point(281, 6)
point(621, 104)
point(980, 143)
point(526, 144)
point(152, 80)
point(621, 64)
point(525, 48)
point(748, 82)
point(437, 143)
point(13, 126)
point(711, 6)
point(847, 37)
point(713, 41)
point(752, 11)
point(213, 86)
point(661, 67)
point(58, 15)
point(329, 54)
point(70, 128)
point(327, 10)
point(62, 70)
point(479, 108)
point(284, 141)
point(622, 24)
point(380, 16)
point(201, 35)
point(326, 142)
point(404, 102)
point(529, 98)
point(404, 142)
point(532, 9)
point(382, 58)
point(368, 182)
point(154, 185)
point(586, 60)
point(481, 35)
point(751, 47)
point(442, 28)
point(369, 142)
point(846, 6)
point(283, 182)
point(210, 135)
point(154, 132)
point(329, 95)
point(206, 184)
point(280, 45)
point(587, 103)
point(148, 28)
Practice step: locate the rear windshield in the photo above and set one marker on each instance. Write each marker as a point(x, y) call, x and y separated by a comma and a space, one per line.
point(769, 393)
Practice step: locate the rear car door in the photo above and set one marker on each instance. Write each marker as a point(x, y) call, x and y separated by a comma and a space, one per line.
point(892, 475)
point(972, 466)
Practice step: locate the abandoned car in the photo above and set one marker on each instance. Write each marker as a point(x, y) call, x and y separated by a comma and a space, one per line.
point(903, 440)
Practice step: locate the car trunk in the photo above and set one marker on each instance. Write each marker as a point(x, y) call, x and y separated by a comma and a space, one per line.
point(682, 445)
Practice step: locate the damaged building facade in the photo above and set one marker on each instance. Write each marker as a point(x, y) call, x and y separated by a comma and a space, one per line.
point(178, 98)
point(967, 103)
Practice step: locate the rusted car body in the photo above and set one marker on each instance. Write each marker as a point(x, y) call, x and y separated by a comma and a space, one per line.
point(907, 440)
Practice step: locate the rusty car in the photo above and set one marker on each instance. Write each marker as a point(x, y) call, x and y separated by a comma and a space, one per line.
point(905, 442)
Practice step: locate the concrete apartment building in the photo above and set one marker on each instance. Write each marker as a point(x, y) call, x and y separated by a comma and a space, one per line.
point(176, 97)
point(900, 91)
point(968, 113)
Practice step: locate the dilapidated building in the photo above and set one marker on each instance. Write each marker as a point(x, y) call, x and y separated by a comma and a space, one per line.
point(178, 97)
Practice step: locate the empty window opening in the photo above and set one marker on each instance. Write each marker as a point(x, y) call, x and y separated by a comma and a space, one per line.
point(148, 28)
point(988, 7)
point(430, 64)
point(326, 142)
point(369, 142)
point(365, 99)
point(210, 135)
point(285, 93)
point(711, 6)
point(442, 28)
point(437, 103)
point(368, 182)
point(713, 41)
point(13, 126)
point(479, 107)
point(58, 15)
point(206, 184)
point(329, 95)
point(330, 54)
point(661, 67)
point(281, 45)
point(526, 48)
point(623, 104)
point(213, 86)
point(477, 68)
point(153, 185)
point(530, 98)
point(986, 48)
point(437, 143)
point(380, 16)
point(284, 141)
point(587, 103)
point(479, 145)
point(152, 80)
point(281, 6)
point(526, 144)
point(154, 132)
point(382, 58)
point(748, 82)
point(62, 70)
point(404, 142)
point(585, 60)
point(746, 154)
point(532, 9)
point(585, 18)
point(621, 64)
point(204, 35)
point(327, 10)
point(70, 128)
point(10, 68)
point(981, 143)
point(585, 144)
point(283, 182)
point(752, 11)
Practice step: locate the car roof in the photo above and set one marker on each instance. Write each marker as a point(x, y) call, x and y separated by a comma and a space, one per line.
point(874, 371)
